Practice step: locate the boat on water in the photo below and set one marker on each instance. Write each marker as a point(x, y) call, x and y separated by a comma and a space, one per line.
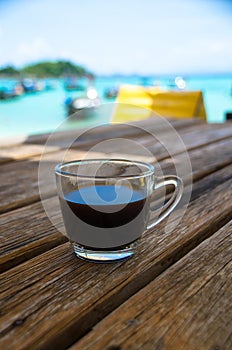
point(228, 115)
point(111, 93)
point(178, 83)
point(24, 86)
point(72, 84)
point(7, 93)
point(135, 102)
point(31, 85)
point(86, 104)
point(34, 85)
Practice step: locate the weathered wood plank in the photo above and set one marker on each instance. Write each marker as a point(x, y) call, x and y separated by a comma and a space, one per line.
point(189, 306)
point(193, 139)
point(26, 231)
point(20, 186)
point(5, 159)
point(34, 145)
point(57, 289)
point(22, 152)
point(162, 142)
point(19, 181)
point(204, 161)
point(116, 130)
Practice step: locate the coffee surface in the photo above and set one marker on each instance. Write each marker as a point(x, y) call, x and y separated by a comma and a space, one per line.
point(104, 216)
point(105, 206)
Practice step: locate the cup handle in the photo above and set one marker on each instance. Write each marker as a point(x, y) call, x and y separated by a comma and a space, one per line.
point(173, 201)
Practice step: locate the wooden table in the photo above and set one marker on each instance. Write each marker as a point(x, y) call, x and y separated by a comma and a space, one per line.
point(174, 294)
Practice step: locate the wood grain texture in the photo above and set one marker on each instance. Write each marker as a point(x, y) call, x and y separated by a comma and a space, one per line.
point(192, 139)
point(189, 306)
point(116, 130)
point(22, 152)
point(50, 299)
point(26, 232)
point(19, 180)
point(33, 145)
point(5, 159)
point(55, 288)
point(166, 142)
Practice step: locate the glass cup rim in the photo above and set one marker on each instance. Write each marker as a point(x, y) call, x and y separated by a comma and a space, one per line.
point(59, 171)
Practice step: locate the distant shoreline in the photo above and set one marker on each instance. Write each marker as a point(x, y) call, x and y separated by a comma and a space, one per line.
point(115, 76)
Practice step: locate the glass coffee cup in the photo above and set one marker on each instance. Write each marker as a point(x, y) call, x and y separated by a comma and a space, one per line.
point(106, 205)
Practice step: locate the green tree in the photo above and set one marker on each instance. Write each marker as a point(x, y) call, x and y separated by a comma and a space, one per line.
point(9, 70)
point(54, 69)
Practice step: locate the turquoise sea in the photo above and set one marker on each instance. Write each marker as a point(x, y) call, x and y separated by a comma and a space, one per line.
point(43, 111)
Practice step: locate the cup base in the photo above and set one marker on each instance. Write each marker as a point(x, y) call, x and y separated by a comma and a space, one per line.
point(104, 256)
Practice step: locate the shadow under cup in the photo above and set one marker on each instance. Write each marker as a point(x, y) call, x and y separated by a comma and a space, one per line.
point(105, 205)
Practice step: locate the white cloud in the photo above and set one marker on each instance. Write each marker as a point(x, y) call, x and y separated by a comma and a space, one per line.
point(39, 48)
point(218, 46)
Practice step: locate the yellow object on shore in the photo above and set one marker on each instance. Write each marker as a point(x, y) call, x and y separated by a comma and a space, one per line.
point(138, 102)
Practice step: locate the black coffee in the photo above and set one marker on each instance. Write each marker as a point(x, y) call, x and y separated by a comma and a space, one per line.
point(104, 216)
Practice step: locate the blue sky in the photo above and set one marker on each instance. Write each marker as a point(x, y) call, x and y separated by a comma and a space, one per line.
point(123, 36)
